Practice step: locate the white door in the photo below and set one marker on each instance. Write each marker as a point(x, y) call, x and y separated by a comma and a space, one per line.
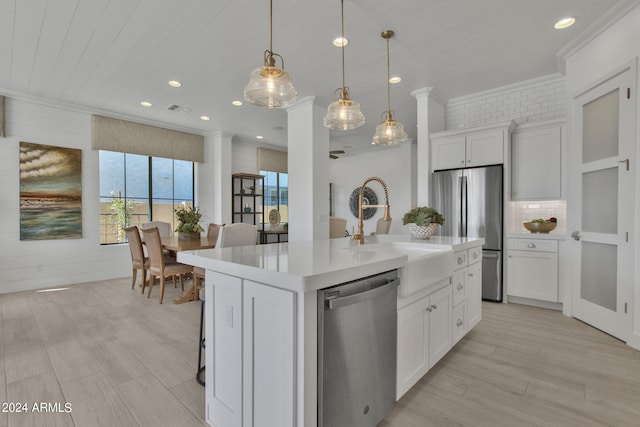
point(603, 203)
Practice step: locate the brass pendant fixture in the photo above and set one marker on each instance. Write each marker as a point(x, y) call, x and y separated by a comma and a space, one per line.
point(270, 86)
point(389, 132)
point(343, 114)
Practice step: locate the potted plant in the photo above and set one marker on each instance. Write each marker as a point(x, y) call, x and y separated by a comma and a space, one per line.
point(188, 227)
point(423, 221)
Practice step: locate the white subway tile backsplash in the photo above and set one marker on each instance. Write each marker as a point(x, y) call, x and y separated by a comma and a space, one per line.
point(534, 100)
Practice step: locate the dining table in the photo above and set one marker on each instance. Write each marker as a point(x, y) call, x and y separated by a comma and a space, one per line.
point(173, 243)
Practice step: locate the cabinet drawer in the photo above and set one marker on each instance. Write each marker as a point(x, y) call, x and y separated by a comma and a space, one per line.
point(475, 255)
point(459, 286)
point(535, 245)
point(459, 320)
point(461, 258)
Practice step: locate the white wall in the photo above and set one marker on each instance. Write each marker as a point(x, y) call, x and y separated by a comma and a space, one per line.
point(395, 165)
point(40, 264)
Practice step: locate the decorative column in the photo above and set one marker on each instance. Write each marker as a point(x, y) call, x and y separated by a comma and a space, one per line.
point(430, 119)
point(308, 163)
point(214, 178)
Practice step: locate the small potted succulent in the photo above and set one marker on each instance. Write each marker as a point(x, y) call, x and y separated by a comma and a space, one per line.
point(188, 223)
point(423, 221)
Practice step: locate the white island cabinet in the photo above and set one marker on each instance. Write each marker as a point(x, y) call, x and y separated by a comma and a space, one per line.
point(261, 317)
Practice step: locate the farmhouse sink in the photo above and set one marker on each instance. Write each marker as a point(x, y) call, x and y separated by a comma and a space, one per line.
point(427, 264)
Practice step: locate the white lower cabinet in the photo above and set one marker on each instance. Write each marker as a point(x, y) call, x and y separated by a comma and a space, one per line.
point(474, 293)
point(251, 370)
point(424, 336)
point(532, 269)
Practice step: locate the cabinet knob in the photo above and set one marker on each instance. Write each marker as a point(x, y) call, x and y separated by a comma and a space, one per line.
point(434, 306)
point(531, 245)
point(459, 323)
point(429, 309)
point(460, 260)
point(460, 286)
point(470, 274)
point(475, 255)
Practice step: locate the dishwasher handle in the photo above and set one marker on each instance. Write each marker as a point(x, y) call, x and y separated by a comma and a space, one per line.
point(362, 296)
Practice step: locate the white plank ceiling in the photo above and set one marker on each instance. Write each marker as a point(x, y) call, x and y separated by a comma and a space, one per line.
point(109, 55)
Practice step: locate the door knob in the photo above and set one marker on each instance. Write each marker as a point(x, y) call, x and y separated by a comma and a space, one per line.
point(576, 235)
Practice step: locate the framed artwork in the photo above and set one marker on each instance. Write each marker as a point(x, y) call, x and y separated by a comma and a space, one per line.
point(50, 192)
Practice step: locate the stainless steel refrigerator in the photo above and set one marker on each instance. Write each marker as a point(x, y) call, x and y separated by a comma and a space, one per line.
point(471, 202)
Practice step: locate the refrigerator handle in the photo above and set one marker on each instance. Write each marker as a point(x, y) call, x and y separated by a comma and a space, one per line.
point(463, 207)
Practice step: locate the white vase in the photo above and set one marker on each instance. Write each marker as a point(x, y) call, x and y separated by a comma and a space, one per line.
point(422, 232)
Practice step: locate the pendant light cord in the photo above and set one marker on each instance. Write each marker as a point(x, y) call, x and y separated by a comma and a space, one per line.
point(388, 83)
point(271, 27)
point(342, 43)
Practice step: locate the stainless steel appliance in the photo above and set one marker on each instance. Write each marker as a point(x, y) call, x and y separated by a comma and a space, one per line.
point(357, 330)
point(471, 202)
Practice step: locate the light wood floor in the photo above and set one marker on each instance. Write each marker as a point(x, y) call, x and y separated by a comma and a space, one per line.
point(121, 359)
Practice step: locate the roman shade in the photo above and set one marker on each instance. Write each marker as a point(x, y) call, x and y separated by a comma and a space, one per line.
point(1, 116)
point(128, 137)
point(272, 160)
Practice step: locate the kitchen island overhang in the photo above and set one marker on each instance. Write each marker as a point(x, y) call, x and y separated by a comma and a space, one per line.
point(271, 290)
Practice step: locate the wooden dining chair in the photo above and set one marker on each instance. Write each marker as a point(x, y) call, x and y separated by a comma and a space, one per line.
point(158, 267)
point(138, 260)
point(198, 272)
point(237, 234)
point(337, 227)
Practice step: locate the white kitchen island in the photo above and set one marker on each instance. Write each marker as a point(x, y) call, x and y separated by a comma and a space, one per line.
point(261, 317)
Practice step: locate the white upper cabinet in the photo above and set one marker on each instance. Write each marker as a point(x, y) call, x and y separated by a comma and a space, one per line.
point(536, 161)
point(470, 147)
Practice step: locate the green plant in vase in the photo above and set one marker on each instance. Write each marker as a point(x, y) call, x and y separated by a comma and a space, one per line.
point(188, 222)
point(423, 221)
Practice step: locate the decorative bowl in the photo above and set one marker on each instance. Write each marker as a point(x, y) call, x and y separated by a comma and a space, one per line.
point(539, 227)
point(422, 232)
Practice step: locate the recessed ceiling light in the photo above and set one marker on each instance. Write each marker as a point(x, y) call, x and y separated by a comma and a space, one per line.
point(339, 42)
point(174, 83)
point(259, 137)
point(205, 118)
point(564, 23)
point(395, 79)
point(146, 103)
point(236, 103)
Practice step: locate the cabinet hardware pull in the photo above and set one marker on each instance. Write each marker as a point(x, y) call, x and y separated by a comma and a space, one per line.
point(429, 309)
point(460, 286)
point(475, 255)
point(460, 260)
point(531, 245)
point(470, 274)
point(434, 306)
point(459, 322)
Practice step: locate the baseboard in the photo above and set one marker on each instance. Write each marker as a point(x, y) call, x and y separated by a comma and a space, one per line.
point(634, 340)
point(535, 303)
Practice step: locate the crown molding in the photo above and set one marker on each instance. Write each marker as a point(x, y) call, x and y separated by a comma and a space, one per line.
point(603, 23)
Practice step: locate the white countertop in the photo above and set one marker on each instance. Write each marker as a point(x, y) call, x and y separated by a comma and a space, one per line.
point(311, 265)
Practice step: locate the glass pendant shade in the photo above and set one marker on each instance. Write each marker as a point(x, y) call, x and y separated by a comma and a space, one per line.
point(344, 114)
point(271, 87)
point(389, 132)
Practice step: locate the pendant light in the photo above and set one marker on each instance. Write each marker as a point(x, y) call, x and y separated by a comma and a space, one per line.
point(270, 86)
point(389, 132)
point(343, 114)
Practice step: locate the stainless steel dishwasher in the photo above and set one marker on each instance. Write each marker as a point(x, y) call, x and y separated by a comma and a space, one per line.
point(357, 331)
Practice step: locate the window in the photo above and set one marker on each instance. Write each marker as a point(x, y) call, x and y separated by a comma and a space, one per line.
point(276, 190)
point(135, 189)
